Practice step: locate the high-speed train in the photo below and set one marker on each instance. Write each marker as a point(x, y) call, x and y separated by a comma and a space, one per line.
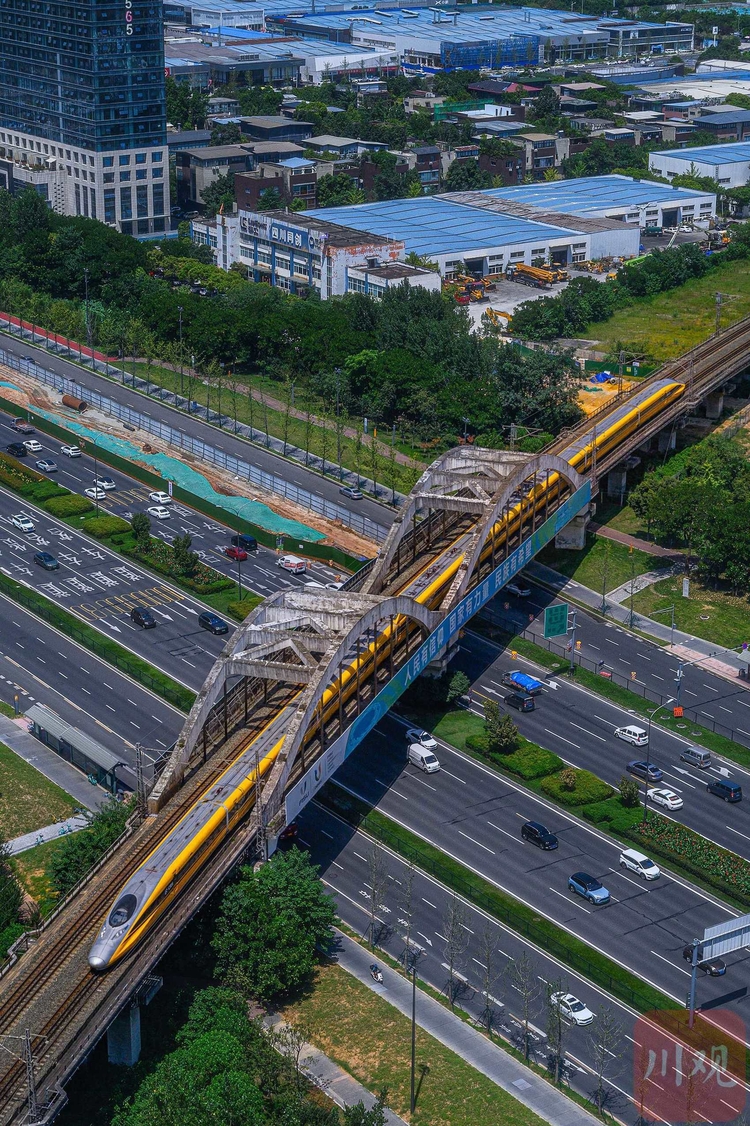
point(162, 877)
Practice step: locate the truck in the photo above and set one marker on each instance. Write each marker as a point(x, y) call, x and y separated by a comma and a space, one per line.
point(521, 681)
point(541, 277)
point(21, 426)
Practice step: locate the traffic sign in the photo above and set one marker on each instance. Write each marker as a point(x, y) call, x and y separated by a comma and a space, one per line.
point(556, 620)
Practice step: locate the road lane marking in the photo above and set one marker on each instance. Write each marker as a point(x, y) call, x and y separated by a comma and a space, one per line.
point(478, 843)
point(562, 737)
point(587, 732)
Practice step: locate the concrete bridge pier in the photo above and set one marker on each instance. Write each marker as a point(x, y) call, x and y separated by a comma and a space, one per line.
point(617, 484)
point(124, 1037)
point(573, 536)
point(714, 404)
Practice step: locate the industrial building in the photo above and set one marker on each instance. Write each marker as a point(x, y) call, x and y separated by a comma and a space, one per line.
point(435, 38)
point(728, 164)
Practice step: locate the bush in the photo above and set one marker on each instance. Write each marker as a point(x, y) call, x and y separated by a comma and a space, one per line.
point(532, 761)
point(630, 792)
point(240, 610)
point(39, 491)
point(71, 505)
point(103, 526)
point(717, 865)
point(613, 815)
point(15, 475)
point(458, 686)
point(477, 743)
point(161, 558)
point(586, 787)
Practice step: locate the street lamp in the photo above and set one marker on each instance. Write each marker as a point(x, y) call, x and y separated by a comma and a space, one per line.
point(666, 610)
point(648, 744)
point(466, 426)
point(179, 310)
point(86, 304)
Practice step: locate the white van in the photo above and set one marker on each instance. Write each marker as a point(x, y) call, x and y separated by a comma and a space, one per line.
point(292, 563)
point(696, 757)
point(640, 864)
point(421, 757)
point(632, 734)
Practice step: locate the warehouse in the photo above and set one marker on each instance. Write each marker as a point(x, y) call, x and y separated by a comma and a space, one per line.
point(728, 164)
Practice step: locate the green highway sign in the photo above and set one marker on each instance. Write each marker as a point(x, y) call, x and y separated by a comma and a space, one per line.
point(556, 620)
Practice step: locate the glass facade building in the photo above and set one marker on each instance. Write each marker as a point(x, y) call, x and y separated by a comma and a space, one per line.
point(89, 74)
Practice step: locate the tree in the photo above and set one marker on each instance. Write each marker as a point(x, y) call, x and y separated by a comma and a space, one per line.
point(11, 899)
point(501, 731)
point(465, 176)
point(524, 978)
point(606, 1040)
point(487, 959)
point(269, 925)
point(219, 193)
point(76, 854)
point(141, 526)
point(556, 1028)
point(456, 938)
point(185, 560)
point(630, 794)
point(458, 686)
point(229, 134)
point(270, 200)
point(359, 1115)
point(377, 878)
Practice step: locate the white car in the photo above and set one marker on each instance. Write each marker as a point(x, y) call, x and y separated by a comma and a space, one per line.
point(685, 229)
point(33, 446)
point(571, 1008)
point(70, 451)
point(95, 494)
point(159, 512)
point(105, 483)
point(160, 498)
point(668, 798)
point(415, 735)
point(23, 523)
point(518, 589)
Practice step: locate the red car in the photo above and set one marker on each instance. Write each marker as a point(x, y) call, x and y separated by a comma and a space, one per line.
point(237, 553)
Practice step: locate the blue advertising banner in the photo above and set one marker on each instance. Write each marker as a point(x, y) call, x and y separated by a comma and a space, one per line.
point(430, 649)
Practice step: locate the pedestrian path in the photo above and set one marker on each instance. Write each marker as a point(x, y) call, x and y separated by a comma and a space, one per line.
point(640, 582)
point(15, 734)
point(466, 1041)
point(331, 1079)
point(48, 833)
point(625, 538)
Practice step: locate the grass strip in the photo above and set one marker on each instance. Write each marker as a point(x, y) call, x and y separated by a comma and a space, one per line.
point(369, 1038)
point(28, 800)
point(618, 694)
point(521, 918)
point(103, 647)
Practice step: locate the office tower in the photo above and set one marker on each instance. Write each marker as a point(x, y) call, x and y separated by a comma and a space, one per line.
point(82, 108)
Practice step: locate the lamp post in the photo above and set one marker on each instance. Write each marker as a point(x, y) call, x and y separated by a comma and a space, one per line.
point(86, 304)
point(648, 744)
point(179, 310)
point(666, 610)
point(239, 571)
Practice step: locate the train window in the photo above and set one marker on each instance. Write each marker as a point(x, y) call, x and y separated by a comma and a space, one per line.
point(122, 910)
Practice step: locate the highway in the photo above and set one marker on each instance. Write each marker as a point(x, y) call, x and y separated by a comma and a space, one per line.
point(579, 725)
point(475, 815)
point(195, 427)
point(258, 572)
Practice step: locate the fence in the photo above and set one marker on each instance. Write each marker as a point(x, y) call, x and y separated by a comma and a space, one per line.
point(511, 627)
point(270, 482)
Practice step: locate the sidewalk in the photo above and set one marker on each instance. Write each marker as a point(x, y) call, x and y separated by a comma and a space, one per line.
point(463, 1039)
point(634, 542)
point(48, 833)
point(332, 1080)
point(15, 734)
point(723, 662)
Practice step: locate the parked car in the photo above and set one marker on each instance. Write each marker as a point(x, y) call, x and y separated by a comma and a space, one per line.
point(45, 560)
point(17, 449)
point(725, 789)
point(419, 756)
point(632, 734)
point(46, 466)
point(520, 701)
point(668, 798)
point(714, 967)
point(645, 770)
point(351, 492)
point(33, 446)
point(245, 540)
point(212, 622)
point(518, 589)
point(143, 617)
point(237, 553)
point(522, 681)
point(589, 887)
point(159, 512)
point(571, 1008)
point(23, 523)
point(637, 862)
point(415, 735)
point(105, 483)
point(70, 451)
point(538, 835)
point(160, 498)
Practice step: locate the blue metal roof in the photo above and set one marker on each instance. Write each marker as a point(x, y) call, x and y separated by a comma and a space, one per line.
point(432, 225)
point(737, 153)
point(590, 195)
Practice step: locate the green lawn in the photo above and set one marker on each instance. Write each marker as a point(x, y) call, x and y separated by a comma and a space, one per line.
point(28, 800)
point(601, 563)
point(31, 866)
point(453, 726)
point(371, 1040)
point(668, 324)
point(715, 615)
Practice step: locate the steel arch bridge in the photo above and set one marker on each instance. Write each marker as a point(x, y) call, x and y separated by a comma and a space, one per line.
point(328, 664)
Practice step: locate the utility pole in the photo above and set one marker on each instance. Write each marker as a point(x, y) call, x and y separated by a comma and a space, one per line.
point(631, 619)
point(28, 1056)
point(182, 372)
point(140, 783)
point(413, 1032)
point(620, 362)
point(573, 626)
point(86, 304)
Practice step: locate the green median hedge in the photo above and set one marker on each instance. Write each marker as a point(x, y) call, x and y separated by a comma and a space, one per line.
point(136, 668)
point(102, 527)
point(521, 918)
point(532, 761)
point(71, 505)
point(586, 787)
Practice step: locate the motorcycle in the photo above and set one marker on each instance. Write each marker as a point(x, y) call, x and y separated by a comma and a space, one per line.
point(376, 974)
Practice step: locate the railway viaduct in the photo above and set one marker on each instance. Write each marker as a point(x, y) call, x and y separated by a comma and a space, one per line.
point(53, 1009)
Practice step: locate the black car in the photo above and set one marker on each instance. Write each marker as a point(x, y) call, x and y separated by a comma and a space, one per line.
point(536, 834)
point(142, 616)
point(520, 701)
point(17, 449)
point(212, 622)
point(714, 967)
point(249, 543)
point(725, 789)
point(44, 559)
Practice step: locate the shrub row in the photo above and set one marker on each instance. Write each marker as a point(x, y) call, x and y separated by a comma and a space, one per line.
point(718, 865)
point(585, 788)
point(102, 527)
point(531, 761)
point(70, 505)
point(161, 559)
